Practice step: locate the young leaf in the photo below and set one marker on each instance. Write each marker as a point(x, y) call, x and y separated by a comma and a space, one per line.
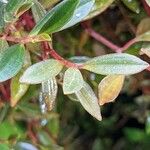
point(133, 5)
point(55, 19)
point(89, 101)
point(48, 93)
point(82, 10)
point(116, 64)
point(19, 89)
point(109, 88)
point(11, 61)
point(41, 71)
point(73, 81)
point(99, 7)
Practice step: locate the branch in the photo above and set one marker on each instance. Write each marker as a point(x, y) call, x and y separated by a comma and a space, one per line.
point(56, 56)
point(107, 43)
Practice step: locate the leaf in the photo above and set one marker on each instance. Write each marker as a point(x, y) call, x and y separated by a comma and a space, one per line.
point(11, 61)
point(143, 37)
point(133, 5)
point(82, 10)
point(116, 64)
point(18, 89)
point(41, 71)
point(99, 7)
point(143, 26)
point(56, 18)
point(2, 8)
point(73, 81)
point(146, 49)
point(148, 2)
point(48, 94)
point(3, 45)
point(24, 146)
point(14, 8)
point(38, 11)
point(89, 101)
point(109, 88)
point(7, 129)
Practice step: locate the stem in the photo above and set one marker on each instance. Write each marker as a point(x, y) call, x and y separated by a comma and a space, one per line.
point(109, 44)
point(101, 39)
point(56, 56)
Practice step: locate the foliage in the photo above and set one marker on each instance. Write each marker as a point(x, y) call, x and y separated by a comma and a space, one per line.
point(33, 75)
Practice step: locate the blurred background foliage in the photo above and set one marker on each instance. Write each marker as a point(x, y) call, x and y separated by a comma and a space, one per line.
point(125, 124)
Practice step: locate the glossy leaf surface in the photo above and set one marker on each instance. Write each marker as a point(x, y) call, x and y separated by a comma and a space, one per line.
point(41, 71)
point(11, 61)
point(116, 64)
point(89, 101)
point(56, 18)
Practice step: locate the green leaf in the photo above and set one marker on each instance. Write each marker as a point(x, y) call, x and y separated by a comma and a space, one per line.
point(89, 101)
point(3, 45)
point(14, 8)
point(2, 8)
point(11, 61)
point(55, 19)
point(116, 64)
point(73, 81)
point(18, 89)
point(38, 11)
point(99, 7)
point(4, 147)
point(41, 71)
point(133, 5)
point(82, 10)
point(7, 129)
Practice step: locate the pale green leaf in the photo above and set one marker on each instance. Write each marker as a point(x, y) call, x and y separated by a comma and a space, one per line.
point(11, 61)
point(56, 18)
point(19, 89)
point(41, 71)
point(125, 64)
point(99, 7)
point(144, 37)
point(89, 101)
point(3, 45)
point(73, 81)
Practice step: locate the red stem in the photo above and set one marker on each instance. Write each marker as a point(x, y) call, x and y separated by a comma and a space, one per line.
point(109, 44)
point(56, 56)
